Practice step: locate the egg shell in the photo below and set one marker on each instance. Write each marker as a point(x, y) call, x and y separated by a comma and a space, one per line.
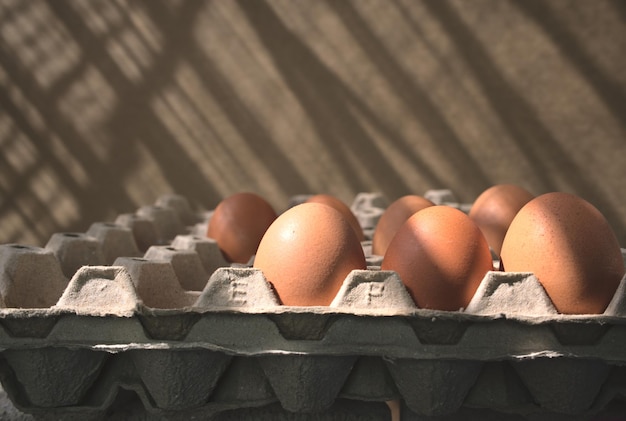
point(441, 256)
point(307, 253)
point(334, 202)
point(238, 224)
point(570, 247)
point(392, 219)
point(494, 210)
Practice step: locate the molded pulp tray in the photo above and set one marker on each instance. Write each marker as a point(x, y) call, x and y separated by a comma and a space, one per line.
point(146, 310)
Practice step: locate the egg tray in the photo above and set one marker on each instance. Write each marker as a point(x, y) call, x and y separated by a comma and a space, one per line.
point(139, 322)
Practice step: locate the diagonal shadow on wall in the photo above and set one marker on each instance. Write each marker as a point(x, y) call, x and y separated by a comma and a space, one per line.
point(328, 103)
point(133, 119)
point(184, 46)
point(533, 138)
point(415, 98)
point(91, 198)
point(612, 93)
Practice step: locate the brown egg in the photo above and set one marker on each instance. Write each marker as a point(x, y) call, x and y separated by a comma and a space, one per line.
point(238, 224)
point(441, 257)
point(307, 253)
point(494, 210)
point(394, 216)
point(341, 207)
point(570, 247)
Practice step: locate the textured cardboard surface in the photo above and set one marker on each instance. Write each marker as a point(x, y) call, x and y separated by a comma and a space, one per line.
point(186, 342)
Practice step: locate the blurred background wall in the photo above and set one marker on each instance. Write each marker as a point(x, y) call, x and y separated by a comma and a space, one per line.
point(107, 104)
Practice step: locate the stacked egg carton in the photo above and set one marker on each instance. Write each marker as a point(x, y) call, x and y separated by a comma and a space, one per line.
point(146, 312)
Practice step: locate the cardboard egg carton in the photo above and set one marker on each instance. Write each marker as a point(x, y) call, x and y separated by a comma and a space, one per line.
point(145, 313)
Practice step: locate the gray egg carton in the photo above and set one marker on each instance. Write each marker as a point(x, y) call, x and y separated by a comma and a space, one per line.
point(93, 321)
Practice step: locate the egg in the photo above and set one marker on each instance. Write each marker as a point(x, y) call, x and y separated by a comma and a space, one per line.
point(334, 202)
point(307, 253)
point(441, 256)
point(393, 217)
point(494, 210)
point(238, 224)
point(570, 247)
